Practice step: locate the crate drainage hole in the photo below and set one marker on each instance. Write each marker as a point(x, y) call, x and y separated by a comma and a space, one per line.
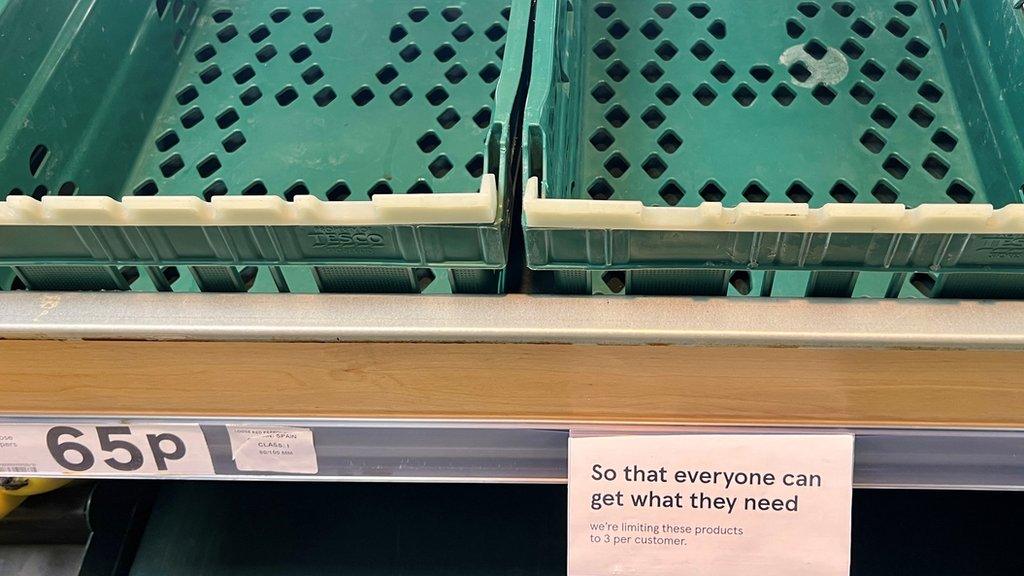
point(615, 281)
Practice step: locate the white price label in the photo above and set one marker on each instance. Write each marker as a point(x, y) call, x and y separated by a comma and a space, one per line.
point(282, 449)
point(104, 451)
point(710, 505)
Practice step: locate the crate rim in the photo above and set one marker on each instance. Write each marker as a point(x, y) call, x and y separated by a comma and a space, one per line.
point(382, 210)
point(572, 214)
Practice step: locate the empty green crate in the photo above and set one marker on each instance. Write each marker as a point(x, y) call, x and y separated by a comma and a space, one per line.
point(367, 141)
point(791, 147)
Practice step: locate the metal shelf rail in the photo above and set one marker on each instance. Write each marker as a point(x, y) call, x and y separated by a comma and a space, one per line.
point(525, 453)
point(513, 437)
point(935, 324)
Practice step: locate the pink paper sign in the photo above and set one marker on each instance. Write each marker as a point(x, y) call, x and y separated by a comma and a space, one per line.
point(710, 505)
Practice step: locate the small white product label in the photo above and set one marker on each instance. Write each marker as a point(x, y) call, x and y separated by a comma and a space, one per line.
point(710, 505)
point(282, 449)
point(104, 451)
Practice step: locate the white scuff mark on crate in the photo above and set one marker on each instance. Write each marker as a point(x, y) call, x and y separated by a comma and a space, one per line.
point(831, 69)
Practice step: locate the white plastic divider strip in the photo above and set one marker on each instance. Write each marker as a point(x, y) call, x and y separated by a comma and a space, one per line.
point(382, 210)
point(768, 217)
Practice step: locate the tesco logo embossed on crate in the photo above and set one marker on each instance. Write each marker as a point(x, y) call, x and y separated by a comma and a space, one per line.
point(334, 238)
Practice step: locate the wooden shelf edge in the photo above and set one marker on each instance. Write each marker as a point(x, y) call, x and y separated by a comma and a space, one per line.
point(555, 383)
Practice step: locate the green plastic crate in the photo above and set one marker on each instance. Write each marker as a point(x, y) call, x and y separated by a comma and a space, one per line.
point(861, 147)
point(367, 141)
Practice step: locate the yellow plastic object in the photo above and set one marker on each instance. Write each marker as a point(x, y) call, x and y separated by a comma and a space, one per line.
point(12, 497)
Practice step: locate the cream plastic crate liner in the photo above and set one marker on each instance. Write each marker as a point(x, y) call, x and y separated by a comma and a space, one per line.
point(758, 217)
point(382, 210)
